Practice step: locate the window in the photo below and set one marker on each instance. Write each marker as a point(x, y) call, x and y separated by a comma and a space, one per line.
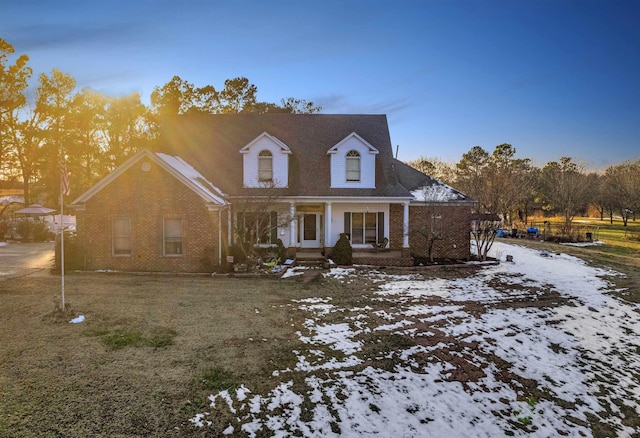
point(364, 228)
point(436, 226)
point(353, 166)
point(265, 166)
point(258, 228)
point(172, 236)
point(121, 236)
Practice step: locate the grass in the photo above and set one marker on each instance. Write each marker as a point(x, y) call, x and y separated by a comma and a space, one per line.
point(150, 352)
point(621, 250)
point(154, 348)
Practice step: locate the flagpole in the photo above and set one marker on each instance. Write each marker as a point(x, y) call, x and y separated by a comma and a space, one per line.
point(62, 239)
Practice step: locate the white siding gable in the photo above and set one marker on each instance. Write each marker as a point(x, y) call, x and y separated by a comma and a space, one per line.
point(353, 142)
point(280, 153)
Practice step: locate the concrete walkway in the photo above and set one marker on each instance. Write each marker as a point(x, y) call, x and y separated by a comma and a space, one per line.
point(20, 259)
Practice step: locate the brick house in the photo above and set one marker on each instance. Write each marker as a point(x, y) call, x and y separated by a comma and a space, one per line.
point(300, 179)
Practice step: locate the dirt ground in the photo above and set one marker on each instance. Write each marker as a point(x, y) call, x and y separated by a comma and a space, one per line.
point(153, 347)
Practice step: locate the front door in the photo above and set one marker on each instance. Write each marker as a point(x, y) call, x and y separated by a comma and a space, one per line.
point(311, 230)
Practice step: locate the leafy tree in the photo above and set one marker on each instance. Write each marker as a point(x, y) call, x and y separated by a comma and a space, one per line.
point(238, 96)
point(53, 109)
point(501, 183)
point(125, 129)
point(85, 145)
point(472, 172)
point(297, 106)
point(181, 97)
point(566, 189)
point(13, 84)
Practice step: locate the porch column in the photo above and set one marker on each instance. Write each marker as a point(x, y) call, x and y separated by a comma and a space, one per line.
point(327, 225)
point(230, 227)
point(405, 226)
point(292, 224)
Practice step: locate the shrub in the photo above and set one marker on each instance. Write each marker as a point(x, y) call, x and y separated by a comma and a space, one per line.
point(41, 233)
point(342, 252)
point(4, 227)
point(24, 229)
point(282, 251)
point(208, 259)
point(238, 252)
point(73, 254)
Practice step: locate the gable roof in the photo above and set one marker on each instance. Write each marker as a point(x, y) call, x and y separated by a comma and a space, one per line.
point(212, 144)
point(425, 189)
point(372, 150)
point(283, 147)
point(176, 166)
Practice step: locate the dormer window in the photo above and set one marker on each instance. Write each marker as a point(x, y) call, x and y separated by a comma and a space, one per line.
point(265, 163)
point(265, 166)
point(353, 166)
point(353, 163)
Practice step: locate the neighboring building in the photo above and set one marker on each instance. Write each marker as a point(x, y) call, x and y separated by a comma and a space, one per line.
point(302, 179)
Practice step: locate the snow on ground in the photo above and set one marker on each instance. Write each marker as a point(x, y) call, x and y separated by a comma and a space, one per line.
point(534, 347)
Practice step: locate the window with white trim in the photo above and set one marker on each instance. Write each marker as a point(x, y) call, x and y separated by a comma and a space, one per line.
point(353, 166)
point(265, 166)
point(257, 228)
point(364, 228)
point(121, 236)
point(172, 236)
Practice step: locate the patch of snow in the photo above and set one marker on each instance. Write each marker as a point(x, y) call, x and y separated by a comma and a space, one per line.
point(437, 192)
point(340, 273)
point(294, 271)
point(415, 289)
point(194, 176)
point(584, 244)
point(581, 355)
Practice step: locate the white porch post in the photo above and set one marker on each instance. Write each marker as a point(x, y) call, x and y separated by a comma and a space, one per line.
point(292, 224)
point(327, 225)
point(230, 239)
point(405, 226)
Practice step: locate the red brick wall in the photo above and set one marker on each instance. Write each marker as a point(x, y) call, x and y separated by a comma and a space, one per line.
point(396, 226)
point(454, 225)
point(147, 198)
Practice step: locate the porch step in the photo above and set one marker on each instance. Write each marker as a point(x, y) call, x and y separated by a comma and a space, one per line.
point(310, 257)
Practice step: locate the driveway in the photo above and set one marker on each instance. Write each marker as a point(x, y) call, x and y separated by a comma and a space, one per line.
point(20, 259)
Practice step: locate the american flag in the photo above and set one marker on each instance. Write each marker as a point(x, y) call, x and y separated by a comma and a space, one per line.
point(64, 179)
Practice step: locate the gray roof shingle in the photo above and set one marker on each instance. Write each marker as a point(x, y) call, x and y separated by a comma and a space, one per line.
point(211, 144)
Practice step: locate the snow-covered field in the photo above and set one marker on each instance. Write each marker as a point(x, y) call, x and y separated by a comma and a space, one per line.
point(536, 347)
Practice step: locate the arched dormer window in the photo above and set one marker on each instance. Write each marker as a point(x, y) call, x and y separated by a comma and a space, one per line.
point(353, 166)
point(265, 166)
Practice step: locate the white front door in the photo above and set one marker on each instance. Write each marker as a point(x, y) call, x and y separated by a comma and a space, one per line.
point(311, 230)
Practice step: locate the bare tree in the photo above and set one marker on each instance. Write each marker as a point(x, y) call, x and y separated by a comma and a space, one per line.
point(435, 168)
point(503, 184)
point(484, 228)
point(256, 220)
point(431, 231)
point(566, 189)
point(622, 183)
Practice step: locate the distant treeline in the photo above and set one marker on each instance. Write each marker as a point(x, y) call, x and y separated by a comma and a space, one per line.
point(92, 132)
point(511, 187)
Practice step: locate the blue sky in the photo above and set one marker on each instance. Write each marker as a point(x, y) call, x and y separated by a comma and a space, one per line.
point(552, 78)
